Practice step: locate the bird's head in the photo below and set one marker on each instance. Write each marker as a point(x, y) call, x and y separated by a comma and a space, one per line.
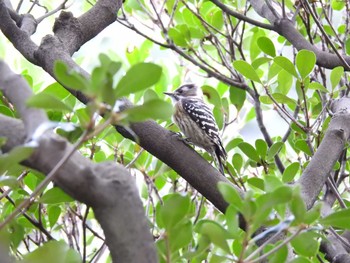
point(186, 91)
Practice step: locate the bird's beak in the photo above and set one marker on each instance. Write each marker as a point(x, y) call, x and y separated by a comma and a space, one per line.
point(171, 94)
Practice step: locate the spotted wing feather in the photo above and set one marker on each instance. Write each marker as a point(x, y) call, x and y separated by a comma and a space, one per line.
point(202, 115)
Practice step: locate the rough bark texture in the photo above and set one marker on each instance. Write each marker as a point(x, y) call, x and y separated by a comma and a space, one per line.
point(327, 154)
point(107, 187)
point(286, 28)
point(153, 137)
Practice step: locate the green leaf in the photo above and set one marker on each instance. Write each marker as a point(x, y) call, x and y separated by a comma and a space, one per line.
point(298, 207)
point(336, 75)
point(306, 244)
point(55, 196)
point(217, 19)
point(249, 150)
point(230, 195)
point(174, 209)
point(237, 161)
point(284, 80)
point(317, 86)
point(266, 46)
point(279, 256)
point(257, 182)
point(264, 99)
point(287, 65)
point(7, 180)
point(303, 146)
point(149, 95)
point(212, 14)
point(137, 78)
point(347, 46)
point(271, 183)
point(54, 213)
point(254, 49)
point(15, 156)
point(200, 251)
point(261, 148)
point(84, 116)
point(274, 149)
point(153, 109)
point(219, 116)
point(47, 101)
point(6, 111)
point(338, 5)
point(215, 232)
point(313, 214)
point(53, 252)
point(260, 61)
point(305, 62)
point(338, 219)
point(231, 216)
point(180, 236)
point(180, 35)
point(56, 90)
point(290, 172)
point(190, 19)
point(70, 78)
point(275, 69)
point(282, 194)
point(17, 233)
point(283, 99)
point(233, 144)
point(246, 70)
point(212, 95)
point(237, 97)
point(268, 201)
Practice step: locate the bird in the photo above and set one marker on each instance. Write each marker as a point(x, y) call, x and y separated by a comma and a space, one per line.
point(196, 121)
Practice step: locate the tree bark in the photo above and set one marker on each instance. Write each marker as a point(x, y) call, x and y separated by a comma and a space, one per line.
point(107, 187)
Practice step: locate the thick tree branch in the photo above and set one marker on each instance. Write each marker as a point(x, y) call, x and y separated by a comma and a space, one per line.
point(152, 137)
point(107, 187)
point(75, 32)
point(321, 165)
point(324, 59)
point(184, 160)
point(9, 84)
point(286, 28)
point(239, 16)
point(19, 38)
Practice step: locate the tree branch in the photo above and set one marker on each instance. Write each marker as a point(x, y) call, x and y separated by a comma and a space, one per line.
point(285, 28)
point(107, 187)
point(151, 136)
point(321, 165)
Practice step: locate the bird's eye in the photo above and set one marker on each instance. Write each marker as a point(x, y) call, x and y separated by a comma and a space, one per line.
point(180, 91)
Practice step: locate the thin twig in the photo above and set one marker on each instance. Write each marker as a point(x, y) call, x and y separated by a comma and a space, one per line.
point(50, 13)
point(84, 232)
point(319, 25)
point(33, 221)
point(270, 252)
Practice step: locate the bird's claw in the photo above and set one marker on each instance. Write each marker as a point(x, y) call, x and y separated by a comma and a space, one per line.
point(187, 141)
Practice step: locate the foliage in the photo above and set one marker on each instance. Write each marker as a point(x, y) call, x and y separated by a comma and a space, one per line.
point(270, 100)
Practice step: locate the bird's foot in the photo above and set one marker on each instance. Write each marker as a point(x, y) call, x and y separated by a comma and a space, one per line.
point(187, 141)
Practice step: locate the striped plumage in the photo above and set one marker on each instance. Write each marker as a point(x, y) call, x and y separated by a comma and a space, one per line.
point(196, 121)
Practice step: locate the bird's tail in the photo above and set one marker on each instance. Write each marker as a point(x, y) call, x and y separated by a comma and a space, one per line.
point(220, 156)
